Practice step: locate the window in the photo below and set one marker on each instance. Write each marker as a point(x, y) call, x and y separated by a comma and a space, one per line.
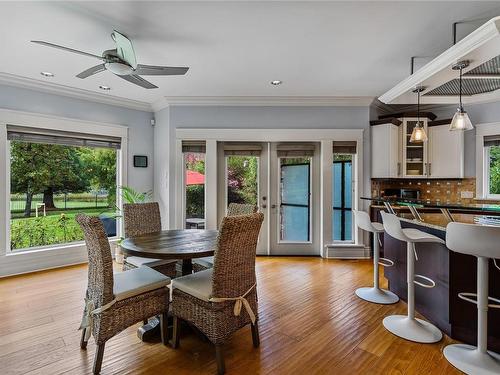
point(493, 171)
point(53, 177)
point(194, 164)
point(342, 183)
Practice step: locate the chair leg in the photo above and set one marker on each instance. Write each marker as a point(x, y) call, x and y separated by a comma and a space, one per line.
point(176, 332)
point(83, 343)
point(255, 335)
point(99, 354)
point(164, 328)
point(219, 356)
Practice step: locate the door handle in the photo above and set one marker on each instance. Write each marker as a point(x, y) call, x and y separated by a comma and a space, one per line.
point(273, 206)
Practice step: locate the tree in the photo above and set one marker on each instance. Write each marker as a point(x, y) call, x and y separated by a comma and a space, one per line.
point(101, 168)
point(43, 168)
point(495, 170)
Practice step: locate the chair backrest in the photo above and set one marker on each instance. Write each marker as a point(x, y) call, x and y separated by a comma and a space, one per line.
point(473, 239)
point(234, 257)
point(141, 218)
point(241, 209)
point(392, 226)
point(100, 275)
point(363, 221)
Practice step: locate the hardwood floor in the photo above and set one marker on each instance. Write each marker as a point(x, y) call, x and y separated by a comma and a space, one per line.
point(310, 322)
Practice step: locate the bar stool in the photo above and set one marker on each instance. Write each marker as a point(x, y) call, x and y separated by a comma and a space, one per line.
point(407, 326)
point(483, 243)
point(374, 294)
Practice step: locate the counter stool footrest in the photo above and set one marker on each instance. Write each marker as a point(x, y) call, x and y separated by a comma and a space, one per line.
point(431, 284)
point(384, 262)
point(465, 297)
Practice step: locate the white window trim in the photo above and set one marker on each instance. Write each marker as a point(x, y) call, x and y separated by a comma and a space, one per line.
point(19, 261)
point(325, 136)
point(482, 172)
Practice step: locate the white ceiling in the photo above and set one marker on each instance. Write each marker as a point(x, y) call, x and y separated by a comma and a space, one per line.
point(324, 49)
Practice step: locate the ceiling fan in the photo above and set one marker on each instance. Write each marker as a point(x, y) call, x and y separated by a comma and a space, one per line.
point(122, 62)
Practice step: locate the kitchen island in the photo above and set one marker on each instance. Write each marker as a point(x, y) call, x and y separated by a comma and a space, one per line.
point(452, 272)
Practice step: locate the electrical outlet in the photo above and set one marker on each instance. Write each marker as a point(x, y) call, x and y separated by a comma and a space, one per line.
point(467, 194)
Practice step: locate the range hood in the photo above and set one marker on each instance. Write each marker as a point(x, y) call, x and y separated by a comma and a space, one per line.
point(481, 79)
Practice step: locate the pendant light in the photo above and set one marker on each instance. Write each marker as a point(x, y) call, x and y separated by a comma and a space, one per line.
point(418, 134)
point(461, 120)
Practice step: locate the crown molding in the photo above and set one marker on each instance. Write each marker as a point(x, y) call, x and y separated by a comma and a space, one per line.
point(265, 101)
point(72, 92)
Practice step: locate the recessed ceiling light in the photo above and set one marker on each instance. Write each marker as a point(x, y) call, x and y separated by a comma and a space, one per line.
point(105, 88)
point(276, 82)
point(47, 74)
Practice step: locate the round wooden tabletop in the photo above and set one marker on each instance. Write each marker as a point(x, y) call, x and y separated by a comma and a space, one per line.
point(172, 244)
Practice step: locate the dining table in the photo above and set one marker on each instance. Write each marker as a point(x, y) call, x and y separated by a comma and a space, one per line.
point(174, 244)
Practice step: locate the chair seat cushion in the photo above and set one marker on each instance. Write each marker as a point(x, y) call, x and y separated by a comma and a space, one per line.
point(137, 281)
point(198, 284)
point(150, 262)
point(419, 236)
point(207, 262)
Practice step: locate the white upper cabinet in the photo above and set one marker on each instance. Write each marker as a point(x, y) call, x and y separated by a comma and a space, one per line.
point(393, 156)
point(446, 152)
point(386, 154)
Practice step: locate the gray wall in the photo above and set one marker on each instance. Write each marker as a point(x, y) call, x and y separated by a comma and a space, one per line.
point(479, 114)
point(139, 124)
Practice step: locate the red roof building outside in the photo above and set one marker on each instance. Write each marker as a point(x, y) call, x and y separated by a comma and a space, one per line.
point(194, 178)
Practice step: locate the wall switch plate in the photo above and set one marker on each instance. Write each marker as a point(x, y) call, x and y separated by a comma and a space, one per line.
point(467, 194)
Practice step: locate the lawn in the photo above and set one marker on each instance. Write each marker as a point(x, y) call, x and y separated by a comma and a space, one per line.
point(57, 227)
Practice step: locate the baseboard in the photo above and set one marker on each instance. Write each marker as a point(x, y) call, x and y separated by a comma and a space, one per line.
point(348, 252)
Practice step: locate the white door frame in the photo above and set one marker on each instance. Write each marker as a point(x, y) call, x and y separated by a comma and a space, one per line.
point(324, 136)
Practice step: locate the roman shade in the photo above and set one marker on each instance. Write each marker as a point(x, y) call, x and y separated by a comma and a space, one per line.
point(295, 149)
point(61, 137)
point(242, 148)
point(491, 140)
point(194, 146)
point(344, 147)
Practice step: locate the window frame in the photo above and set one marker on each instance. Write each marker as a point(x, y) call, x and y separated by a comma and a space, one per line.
point(36, 258)
point(482, 160)
point(487, 180)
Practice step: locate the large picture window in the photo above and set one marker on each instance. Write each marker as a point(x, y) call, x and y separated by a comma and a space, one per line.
point(53, 177)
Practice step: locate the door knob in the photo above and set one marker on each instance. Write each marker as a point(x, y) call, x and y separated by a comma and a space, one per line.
point(273, 206)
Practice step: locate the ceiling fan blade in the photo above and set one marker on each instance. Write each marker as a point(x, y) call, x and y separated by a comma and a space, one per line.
point(124, 48)
point(66, 49)
point(135, 79)
point(91, 71)
point(152, 70)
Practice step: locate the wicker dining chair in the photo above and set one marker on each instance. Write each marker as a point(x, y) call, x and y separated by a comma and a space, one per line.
point(139, 219)
point(221, 300)
point(115, 302)
point(233, 209)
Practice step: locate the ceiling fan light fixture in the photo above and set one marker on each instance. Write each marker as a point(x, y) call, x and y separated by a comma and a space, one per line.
point(276, 82)
point(47, 74)
point(118, 68)
point(105, 88)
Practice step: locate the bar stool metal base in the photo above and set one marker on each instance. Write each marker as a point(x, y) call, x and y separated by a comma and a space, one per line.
point(377, 295)
point(416, 330)
point(469, 359)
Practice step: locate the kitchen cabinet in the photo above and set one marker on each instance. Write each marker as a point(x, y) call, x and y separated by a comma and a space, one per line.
point(393, 156)
point(386, 151)
point(446, 152)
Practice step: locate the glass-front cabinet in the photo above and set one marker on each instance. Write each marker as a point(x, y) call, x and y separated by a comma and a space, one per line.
point(415, 162)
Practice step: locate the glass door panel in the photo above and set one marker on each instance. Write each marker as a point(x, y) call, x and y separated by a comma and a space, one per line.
point(242, 179)
point(194, 190)
point(295, 207)
point(342, 197)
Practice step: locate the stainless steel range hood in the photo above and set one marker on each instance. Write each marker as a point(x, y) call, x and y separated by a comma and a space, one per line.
point(481, 78)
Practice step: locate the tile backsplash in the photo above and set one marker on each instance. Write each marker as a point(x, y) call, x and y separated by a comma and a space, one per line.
point(462, 191)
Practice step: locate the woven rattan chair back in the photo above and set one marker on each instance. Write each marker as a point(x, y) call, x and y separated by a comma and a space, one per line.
point(100, 274)
point(141, 218)
point(234, 258)
point(241, 209)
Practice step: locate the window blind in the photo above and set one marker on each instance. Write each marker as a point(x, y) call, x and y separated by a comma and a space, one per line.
point(295, 149)
point(198, 147)
point(491, 140)
point(60, 137)
point(242, 149)
point(344, 147)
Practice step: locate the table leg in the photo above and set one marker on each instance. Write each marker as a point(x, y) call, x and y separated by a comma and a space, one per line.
point(187, 267)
